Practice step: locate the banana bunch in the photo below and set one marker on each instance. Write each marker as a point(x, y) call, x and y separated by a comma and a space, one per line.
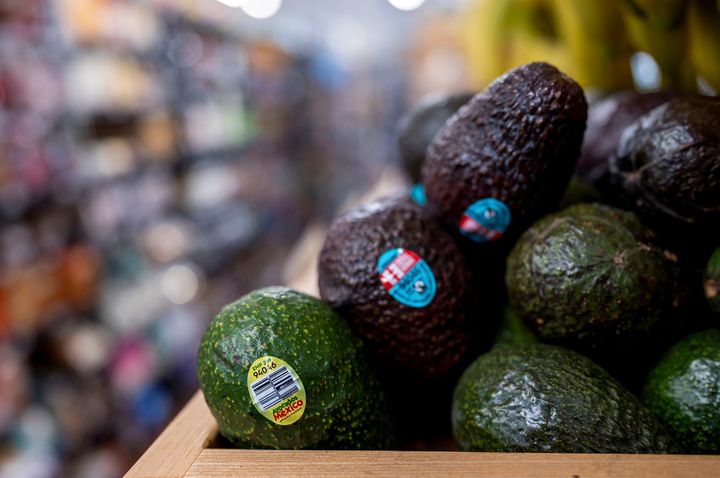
point(581, 37)
point(704, 37)
point(593, 40)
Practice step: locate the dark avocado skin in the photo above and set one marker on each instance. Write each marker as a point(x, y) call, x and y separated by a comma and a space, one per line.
point(543, 398)
point(420, 125)
point(607, 119)
point(683, 391)
point(345, 407)
point(590, 277)
point(711, 281)
point(517, 142)
point(426, 342)
point(667, 166)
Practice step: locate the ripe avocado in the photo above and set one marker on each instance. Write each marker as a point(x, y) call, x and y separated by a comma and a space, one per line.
point(543, 398)
point(667, 166)
point(506, 157)
point(712, 281)
point(339, 405)
point(402, 283)
point(420, 125)
point(590, 277)
point(683, 391)
point(607, 119)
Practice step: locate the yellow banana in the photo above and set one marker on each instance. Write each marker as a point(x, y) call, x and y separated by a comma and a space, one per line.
point(658, 27)
point(595, 41)
point(581, 37)
point(704, 30)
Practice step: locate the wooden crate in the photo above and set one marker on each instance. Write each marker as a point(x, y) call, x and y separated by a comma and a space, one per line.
point(183, 450)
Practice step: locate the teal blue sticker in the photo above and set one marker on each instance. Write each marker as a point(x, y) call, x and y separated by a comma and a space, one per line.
point(417, 194)
point(485, 220)
point(407, 277)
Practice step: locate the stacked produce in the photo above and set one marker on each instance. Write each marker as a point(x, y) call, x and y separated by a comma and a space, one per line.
point(500, 304)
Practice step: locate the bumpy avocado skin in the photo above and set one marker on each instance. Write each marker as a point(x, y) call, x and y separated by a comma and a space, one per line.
point(345, 407)
point(543, 398)
point(712, 281)
point(607, 119)
point(683, 391)
point(517, 142)
point(420, 125)
point(667, 167)
point(590, 276)
point(427, 341)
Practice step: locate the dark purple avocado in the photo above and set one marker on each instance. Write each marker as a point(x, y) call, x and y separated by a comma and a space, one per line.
point(505, 159)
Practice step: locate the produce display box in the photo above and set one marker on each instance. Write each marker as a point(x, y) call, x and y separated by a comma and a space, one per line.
point(190, 445)
point(187, 449)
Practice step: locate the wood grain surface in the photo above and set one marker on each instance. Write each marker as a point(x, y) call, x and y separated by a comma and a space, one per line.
point(179, 444)
point(182, 451)
point(218, 463)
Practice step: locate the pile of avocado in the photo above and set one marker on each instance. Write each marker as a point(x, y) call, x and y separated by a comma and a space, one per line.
point(551, 285)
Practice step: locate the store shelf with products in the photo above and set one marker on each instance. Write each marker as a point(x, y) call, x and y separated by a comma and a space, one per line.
point(148, 175)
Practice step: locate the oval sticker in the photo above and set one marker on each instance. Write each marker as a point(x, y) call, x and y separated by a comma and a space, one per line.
point(485, 220)
point(276, 390)
point(417, 194)
point(407, 277)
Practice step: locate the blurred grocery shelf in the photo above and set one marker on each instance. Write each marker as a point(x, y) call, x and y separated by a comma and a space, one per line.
point(157, 160)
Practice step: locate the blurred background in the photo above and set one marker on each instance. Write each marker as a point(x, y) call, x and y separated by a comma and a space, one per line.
point(159, 158)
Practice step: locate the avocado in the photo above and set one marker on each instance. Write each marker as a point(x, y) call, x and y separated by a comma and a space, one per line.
point(280, 369)
point(544, 398)
point(667, 166)
point(505, 158)
point(420, 125)
point(683, 391)
point(607, 119)
point(590, 277)
point(579, 191)
point(712, 281)
point(403, 285)
point(512, 330)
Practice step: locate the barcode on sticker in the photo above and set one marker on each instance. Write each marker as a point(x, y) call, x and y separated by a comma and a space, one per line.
point(274, 388)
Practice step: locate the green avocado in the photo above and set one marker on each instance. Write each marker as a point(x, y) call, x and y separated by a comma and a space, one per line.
point(590, 277)
point(512, 330)
point(505, 158)
point(667, 166)
point(579, 191)
point(683, 391)
point(712, 281)
point(342, 405)
point(403, 285)
point(543, 398)
point(420, 125)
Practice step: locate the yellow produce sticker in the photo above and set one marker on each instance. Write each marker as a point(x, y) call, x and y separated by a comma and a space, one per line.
point(276, 390)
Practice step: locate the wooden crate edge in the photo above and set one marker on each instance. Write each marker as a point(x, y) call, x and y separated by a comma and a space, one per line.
point(177, 447)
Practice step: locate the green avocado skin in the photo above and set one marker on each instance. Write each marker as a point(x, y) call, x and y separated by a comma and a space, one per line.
point(590, 276)
point(544, 398)
point(345, 408)
point(517, 142)
point(712, 281)
point(512, 330)
point(683, 391)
